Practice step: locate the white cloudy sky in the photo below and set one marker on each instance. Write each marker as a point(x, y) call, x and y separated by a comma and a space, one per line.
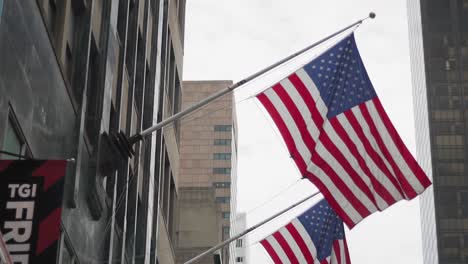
point(229, 40)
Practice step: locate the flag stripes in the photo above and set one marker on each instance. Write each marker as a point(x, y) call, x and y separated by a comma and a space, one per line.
point(292, 244)
point(299, 241)
point(355, 158)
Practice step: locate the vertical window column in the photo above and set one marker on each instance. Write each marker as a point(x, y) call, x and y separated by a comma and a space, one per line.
point(1, 9)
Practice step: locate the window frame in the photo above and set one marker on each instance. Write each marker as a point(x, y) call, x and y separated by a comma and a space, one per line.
point(13, 123)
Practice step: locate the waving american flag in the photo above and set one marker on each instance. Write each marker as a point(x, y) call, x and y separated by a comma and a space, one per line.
point(340, 137)
point(315, 237)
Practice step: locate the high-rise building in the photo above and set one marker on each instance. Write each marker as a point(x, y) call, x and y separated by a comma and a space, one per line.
point(207, 171)
point(73, 72)
point(439, 59)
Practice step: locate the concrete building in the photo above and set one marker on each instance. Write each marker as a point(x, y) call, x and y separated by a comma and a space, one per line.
point(239, 248)
point(71, 73)
point(439, 59)
point(207, 172)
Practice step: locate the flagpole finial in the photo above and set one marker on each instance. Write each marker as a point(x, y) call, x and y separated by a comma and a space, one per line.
point(372, 15)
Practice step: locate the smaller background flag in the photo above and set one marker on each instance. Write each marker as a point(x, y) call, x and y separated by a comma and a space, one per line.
point(316, 236)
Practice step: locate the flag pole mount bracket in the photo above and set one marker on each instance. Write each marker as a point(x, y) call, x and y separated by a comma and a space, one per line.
point(123, 144)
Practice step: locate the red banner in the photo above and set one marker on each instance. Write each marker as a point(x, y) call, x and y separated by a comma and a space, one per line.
point(31, 194)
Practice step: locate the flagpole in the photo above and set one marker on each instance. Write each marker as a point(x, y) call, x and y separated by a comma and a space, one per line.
point(248, 230)
point(139, 136)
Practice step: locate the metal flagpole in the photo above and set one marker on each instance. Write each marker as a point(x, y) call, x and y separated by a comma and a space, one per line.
point(248, 230)
point(126, 143)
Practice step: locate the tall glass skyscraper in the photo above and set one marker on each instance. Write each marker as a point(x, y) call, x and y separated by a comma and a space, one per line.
point(439, 57)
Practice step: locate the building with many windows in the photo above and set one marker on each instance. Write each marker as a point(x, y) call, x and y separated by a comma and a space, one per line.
point(439, 59)
point(72, 73)
point(207, 171)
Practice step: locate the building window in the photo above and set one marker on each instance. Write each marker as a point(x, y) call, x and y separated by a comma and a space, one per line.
point(225, 232)
point(239, 243)
point(52, 16)
point(13, 141)
point(449, 140)
point(223, 128)
point(222, 171)
point(1, 7)
point(222, 142)
point(94, 96)
point(450, 168)
point(450, 154)
point(222, 184)
point(451, 241)
point(226, 215)
point(240, 259)
point(223, 199)
point(222, 156)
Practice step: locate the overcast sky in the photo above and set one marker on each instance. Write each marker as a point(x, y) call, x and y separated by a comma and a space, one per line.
point(229, 40)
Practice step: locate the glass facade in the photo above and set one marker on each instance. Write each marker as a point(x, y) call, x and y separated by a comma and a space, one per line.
point(439, 60)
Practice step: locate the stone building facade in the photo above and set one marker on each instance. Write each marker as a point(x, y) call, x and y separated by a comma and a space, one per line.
point(207, 172)
point(72, 73)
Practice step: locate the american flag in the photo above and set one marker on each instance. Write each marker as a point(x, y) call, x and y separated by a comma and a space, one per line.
point(315, 237)
point(340, 137)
